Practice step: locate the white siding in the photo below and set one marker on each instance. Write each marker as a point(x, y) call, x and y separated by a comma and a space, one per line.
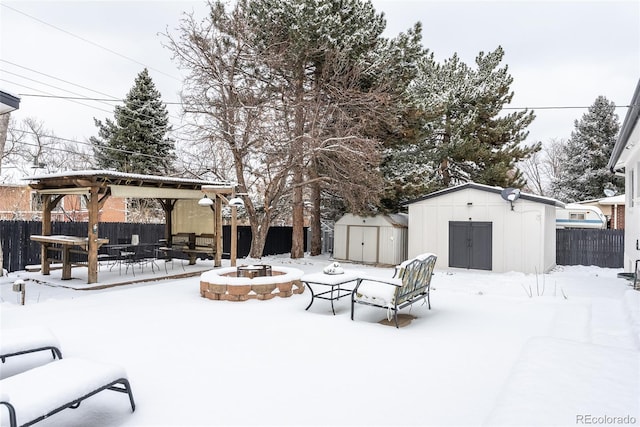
point(632, 208)
point(521, 239)
point(384, 242)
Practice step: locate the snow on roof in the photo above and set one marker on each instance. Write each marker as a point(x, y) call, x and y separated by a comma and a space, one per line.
point(123, 175)
point(400, 219)
point(613, 200)
point(488, 188)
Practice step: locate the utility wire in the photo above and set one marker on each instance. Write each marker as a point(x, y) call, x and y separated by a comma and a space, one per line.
point(48, 93)
point(54, 77)
point(32, 144)
point(86, 98)
point(550, 107)
point(89, 41)
point(71, 151)
point(80, 96)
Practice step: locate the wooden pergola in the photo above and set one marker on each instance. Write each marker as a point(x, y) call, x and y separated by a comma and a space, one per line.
point(96, 186)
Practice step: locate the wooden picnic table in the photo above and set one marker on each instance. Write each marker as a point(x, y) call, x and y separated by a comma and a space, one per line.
point(66, 243)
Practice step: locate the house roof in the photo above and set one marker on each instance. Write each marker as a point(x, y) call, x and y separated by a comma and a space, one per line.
point(630, 122)
point(613, 200)
point(8, 102)
point(489, 189)
point(121, 184)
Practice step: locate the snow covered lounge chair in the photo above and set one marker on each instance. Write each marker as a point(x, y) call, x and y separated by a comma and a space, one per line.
point(14, 342)
point(36, 394)
point(412, 284)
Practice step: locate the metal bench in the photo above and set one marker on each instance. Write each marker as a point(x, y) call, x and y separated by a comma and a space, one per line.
point(36, 394)
point(17, 341)
point(412, 284)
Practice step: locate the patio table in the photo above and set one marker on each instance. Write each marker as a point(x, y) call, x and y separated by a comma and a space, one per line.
point(334, 281)
point(66, 242)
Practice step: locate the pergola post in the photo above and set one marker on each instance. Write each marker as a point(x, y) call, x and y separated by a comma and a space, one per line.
point(167, 206)
point(92, 241)
point(46, 231)
point(218, 230)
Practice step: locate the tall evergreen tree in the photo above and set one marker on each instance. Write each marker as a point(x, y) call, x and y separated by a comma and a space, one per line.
point(464, 136)
point(136, 141)
point(334, 73)
point(584, 173)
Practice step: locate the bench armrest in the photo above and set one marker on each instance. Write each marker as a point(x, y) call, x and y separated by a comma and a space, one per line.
point(389, 281)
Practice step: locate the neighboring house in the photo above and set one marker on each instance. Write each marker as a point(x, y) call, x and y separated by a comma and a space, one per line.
point(612, 208)
point(625, 161)
point(474, 226)
point(20, 202)
point(380, 239)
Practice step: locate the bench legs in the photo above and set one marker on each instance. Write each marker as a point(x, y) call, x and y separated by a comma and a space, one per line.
point(12, 414)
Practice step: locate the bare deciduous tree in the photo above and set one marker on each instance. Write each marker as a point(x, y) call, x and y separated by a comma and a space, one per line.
point(543, 168)
point(226, 98)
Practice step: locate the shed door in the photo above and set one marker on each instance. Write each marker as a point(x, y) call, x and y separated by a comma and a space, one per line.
point(363, 244)
point(470, 245)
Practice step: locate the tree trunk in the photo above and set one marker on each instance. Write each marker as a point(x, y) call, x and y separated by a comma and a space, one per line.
point(316, 226)
point(259, 237)
point(297, 148)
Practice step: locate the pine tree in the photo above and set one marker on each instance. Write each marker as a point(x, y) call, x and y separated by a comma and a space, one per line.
point(584, 175)
point(335, 74)
point(136, 141)
point(464, 135)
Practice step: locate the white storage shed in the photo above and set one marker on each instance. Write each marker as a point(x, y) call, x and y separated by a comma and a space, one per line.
point(476, 226)
point(380, 239)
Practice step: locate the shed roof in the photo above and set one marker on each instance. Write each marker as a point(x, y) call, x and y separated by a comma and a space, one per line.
point(490, 189)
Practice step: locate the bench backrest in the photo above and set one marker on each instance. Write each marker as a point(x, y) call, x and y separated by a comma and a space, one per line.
point(416, 278)
point(184, 239)
point(206, 240)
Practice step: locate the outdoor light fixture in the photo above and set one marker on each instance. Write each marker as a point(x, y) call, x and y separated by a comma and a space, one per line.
point(236, 202)
point(205, 201)
point(609, 192)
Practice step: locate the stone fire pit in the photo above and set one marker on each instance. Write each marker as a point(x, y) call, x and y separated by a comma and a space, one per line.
point(224, 283)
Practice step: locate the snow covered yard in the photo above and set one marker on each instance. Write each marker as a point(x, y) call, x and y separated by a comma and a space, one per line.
point(487, 353)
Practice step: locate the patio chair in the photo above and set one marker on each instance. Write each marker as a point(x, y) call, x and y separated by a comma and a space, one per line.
point(410, 284)
point(17, 341)
point(36, 394)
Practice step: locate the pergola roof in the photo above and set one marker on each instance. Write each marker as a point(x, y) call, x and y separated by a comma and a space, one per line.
point(120, 184)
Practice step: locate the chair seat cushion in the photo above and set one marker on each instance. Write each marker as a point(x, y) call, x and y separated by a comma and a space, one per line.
point(377, 293)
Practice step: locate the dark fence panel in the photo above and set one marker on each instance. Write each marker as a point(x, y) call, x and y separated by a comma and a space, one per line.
point(603, 248)
point(278, 240)
point(19, 251)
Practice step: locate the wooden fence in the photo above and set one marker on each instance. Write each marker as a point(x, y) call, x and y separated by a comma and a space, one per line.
point(19, 251)
point(603, 248)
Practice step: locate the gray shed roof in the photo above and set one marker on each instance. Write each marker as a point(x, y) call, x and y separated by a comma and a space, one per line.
point(490, 189)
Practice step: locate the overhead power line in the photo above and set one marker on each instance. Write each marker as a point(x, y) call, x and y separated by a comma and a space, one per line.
point(89, 41)
point(549, 107)
point(87, 98)
point(119, 150)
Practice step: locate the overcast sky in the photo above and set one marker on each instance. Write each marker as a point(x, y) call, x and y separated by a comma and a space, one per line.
point(560, 53)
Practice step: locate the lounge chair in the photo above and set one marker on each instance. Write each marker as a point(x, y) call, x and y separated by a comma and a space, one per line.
point(36, 394)
point(19, 341)
point(411, 283)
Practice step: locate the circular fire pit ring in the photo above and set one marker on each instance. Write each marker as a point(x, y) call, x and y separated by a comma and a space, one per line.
point(224, 284)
